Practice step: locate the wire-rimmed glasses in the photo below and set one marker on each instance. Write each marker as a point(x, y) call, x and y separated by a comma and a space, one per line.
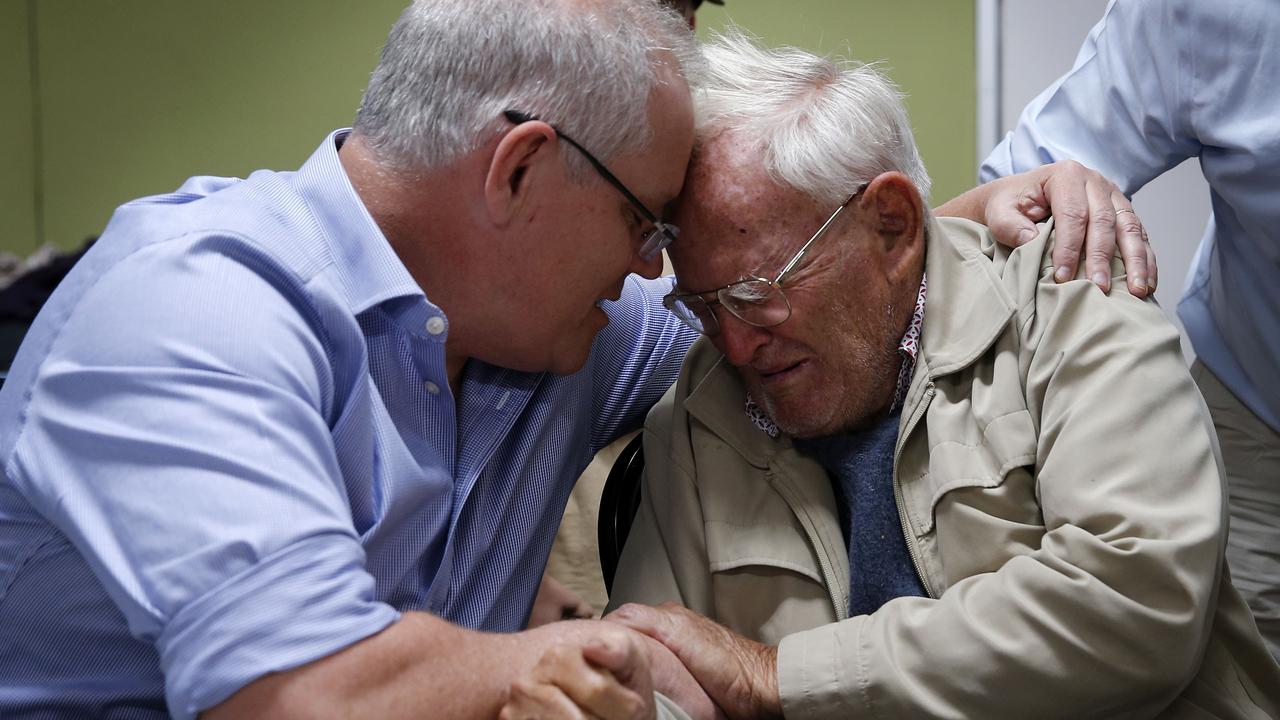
point(755, 300)
point(659, 236)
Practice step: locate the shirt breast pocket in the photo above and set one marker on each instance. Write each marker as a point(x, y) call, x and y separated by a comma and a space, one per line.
point(973, 499)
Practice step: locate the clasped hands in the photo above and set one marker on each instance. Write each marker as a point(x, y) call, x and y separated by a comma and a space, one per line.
point(612, 674)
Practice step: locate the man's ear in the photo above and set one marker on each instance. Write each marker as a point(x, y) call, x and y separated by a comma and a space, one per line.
point(508, 181)
point(896, 215)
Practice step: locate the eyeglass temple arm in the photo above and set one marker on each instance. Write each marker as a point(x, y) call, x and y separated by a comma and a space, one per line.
point(517, 117)
point(821, 231)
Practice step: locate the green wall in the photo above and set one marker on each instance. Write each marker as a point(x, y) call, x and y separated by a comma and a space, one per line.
point(137, 95)
point(134, 96)
point(926, 46)
point(18, 230)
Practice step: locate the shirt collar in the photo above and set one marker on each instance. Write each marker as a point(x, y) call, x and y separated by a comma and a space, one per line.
point(367, 267)
point(909, 347)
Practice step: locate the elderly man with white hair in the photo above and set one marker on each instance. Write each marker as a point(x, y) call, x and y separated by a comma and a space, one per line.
point(907, 473)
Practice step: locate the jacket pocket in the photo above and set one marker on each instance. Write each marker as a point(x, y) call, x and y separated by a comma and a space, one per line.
point(731, 546)
point(973, 496)
point(1005, 448)
point(765, 580)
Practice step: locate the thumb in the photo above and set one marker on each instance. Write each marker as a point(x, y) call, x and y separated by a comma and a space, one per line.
point(1011, 227)
point(618, 653)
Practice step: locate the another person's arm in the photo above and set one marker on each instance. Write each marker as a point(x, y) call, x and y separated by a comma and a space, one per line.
point(423, 666)
point(1085, 206)
point(1125, 109)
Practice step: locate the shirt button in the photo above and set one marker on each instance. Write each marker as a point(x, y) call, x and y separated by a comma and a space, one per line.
point(435, 325)
point(431, 387)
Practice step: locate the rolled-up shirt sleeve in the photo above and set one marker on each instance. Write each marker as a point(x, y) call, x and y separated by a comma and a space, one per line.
point(178, 433)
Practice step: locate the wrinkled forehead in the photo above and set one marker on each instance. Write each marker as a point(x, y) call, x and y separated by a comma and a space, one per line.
point(734, 219)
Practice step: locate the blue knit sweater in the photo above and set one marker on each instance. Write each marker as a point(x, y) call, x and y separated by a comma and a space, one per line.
point(861, 469)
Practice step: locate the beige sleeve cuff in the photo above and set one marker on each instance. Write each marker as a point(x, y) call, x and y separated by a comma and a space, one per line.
point(817, 673)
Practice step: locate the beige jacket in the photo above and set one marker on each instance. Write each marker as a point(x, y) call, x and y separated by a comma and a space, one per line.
point(1058, 489)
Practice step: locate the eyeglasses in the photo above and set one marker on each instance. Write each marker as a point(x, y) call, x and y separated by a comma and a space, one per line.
point(659, 236)
point(756, 301)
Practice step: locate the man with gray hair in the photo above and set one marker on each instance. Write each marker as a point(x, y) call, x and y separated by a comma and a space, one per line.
point(907, 473)
point(281, 447)
point(297, 445)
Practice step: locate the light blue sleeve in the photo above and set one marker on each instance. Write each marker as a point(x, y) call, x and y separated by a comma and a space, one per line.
point(1122, 109)
point(176, 433)
point(635, 358)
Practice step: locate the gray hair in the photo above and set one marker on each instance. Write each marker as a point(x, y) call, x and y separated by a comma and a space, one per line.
point(827, 126)
point(450, 69)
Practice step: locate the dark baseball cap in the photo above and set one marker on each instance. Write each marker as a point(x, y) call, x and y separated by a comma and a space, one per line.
point(692, 4)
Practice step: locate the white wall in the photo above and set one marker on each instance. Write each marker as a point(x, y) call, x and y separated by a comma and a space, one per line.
point(1037, 41)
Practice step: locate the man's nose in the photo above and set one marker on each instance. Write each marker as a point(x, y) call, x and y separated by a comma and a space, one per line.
point(738, 340)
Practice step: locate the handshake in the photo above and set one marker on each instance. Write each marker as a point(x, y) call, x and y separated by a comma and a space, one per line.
point(612, 668)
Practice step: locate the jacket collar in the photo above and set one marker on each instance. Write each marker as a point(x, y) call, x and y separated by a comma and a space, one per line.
point(966, 310)
point(718, 400)
point(967, 307)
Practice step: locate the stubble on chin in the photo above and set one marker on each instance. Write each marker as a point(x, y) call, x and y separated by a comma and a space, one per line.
point(856, 375)
point(851, 393)
point(791, 416)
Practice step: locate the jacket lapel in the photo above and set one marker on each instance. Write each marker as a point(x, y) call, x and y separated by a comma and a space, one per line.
point(719, 402)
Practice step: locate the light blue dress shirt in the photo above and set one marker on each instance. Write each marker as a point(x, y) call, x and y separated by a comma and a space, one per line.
point(1160, 81)
point(229, 448)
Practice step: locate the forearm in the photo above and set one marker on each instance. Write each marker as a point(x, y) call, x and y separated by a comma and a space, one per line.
point(970, 205)
point(1023, 197)
point(421, 666)
point(1039, 638)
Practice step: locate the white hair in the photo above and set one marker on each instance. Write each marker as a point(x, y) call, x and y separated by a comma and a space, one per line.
point(826, 126)
point(451, 68)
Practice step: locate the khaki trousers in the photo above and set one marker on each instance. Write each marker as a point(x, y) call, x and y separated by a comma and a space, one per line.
point(1251, 454)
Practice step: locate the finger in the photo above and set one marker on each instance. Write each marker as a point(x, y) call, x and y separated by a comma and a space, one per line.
point(1070, 221)
point(1153, 272)
point(1133, 249)
point(624, 656)
point(613, 651)
point(593, 687)
point(1012, 215)
point(670, 624)
point(605, 697)
point(1100, 242)
point(529, 699)
point(643, 619)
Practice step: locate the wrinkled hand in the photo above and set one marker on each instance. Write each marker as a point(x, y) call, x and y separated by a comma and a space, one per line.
point(739, 674)
point(1089, 211)
point(605, 676)
point(672, 678)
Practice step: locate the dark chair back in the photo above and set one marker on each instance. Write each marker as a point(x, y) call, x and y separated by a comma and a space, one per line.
point(618, 505)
